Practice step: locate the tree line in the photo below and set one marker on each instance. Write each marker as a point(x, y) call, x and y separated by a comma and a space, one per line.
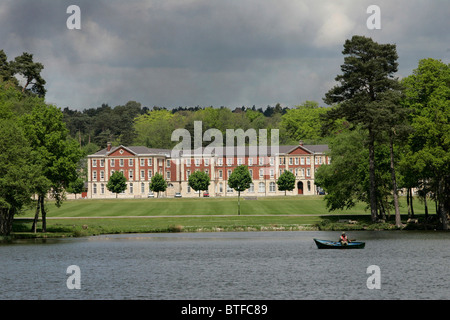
point(37, 155)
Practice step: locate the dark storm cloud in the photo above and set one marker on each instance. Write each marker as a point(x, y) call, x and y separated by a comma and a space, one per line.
point(202, 52)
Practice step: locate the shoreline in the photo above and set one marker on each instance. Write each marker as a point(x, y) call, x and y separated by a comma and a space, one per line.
point(70, 227)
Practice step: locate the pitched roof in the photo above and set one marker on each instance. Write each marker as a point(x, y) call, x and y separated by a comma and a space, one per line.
point(137, 150)
point(237, 151)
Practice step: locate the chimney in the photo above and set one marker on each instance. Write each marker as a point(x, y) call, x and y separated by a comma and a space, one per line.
point(300, 142)
point(108, 146)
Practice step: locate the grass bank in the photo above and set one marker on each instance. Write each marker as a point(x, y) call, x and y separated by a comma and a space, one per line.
point(94, 217)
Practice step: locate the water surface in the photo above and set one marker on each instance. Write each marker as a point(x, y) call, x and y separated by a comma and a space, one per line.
point(232, 265)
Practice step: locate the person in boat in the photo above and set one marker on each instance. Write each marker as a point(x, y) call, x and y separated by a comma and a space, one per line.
point(343, 239)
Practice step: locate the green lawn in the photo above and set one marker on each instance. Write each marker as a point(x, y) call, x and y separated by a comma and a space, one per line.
point(90, 217)
point(192, 206)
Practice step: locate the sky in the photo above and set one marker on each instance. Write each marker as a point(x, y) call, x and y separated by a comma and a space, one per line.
point(231, 53)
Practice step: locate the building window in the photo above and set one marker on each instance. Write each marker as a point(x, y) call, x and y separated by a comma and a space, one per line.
point(149, 162)
point(150, 173)
point(271, 161)
point(130, 174)
point(251, 188)
point(94, 175)
point(309, 185)
point(229, 174)
point(296, 161)
point(251, 173)
point(168, 163)
point(142, 162)
point(290, 161)
point(250, 161)
point(308, 160)
point(272, 187)
point(94, 188)
point(220, 174)
point(329, 160)
point(121, 162)
point(188, 190)
point(142, 187)
point(261, 172)
point(221, 187)
point(188, 173)
point(219, 161)
point(197, 162)
point(188, 162)
point(113, 162)
point(131, 187)
point(206, 162)
point(271, 173)
point(130, 162)
point(102, 175)
point(308, 172)
point(239, 161)
point(94, 163)
point(102, 188)
point(302, 160)
point(229, 161)
point(228, 188)
point(167, 174)
point(102, 163)
point(261, 161)
point(261, 187)
point(142, 174)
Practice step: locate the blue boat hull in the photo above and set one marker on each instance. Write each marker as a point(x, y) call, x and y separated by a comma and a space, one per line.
point(327, 244)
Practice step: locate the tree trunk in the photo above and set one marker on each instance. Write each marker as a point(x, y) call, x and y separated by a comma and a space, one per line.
point(398, 220)
point(373, 187)
point(36, 215)
point(443, 205)
point(411, 200)
point(6, 220)
point(44, 215)
point(408, 201)
point(239, 203)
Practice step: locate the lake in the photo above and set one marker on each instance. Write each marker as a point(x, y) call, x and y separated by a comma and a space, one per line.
point(231, 265)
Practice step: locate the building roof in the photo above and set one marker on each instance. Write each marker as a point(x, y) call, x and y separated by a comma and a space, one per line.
point(220, 151)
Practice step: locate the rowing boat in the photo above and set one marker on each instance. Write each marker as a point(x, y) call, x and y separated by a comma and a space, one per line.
point(328, 244)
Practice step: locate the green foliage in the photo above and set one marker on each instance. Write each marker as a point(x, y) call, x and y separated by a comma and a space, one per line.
point(199, 180)
point(286, 181)
point(303, 122)
point(427, 159)
point(158, 184)
point(19, 174)
point(117, 183)
point(240, 179)
point(76, 186)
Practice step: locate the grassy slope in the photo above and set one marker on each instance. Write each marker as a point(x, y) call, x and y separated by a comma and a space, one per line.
point(174, 215)
point(192, 206)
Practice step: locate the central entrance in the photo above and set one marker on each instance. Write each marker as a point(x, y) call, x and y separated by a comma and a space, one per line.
point(300, 187)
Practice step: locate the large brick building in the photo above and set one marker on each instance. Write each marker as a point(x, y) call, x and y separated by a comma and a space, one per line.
point(139, 164)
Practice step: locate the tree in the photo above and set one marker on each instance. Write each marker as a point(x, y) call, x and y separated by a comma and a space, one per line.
point(302, 122)
point(158, 184)
point(286, 181)
point(58, 154)
point(117, 183)
point(18, 173)
point(367, 73)
point(76, 186)
point(428, 156)
point(343, 179)
point(198, 181)
point(31, 71)
point(240, 180)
